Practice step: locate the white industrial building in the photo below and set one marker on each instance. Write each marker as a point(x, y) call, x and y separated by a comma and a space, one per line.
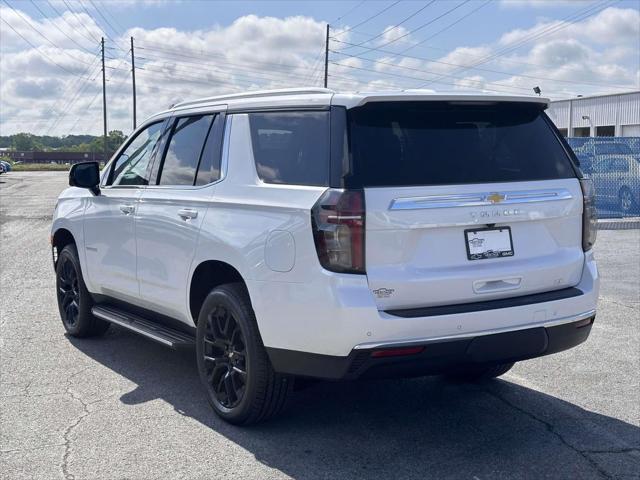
point(616, 115)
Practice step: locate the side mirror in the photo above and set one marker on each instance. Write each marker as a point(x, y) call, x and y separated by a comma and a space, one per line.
point(85, 175)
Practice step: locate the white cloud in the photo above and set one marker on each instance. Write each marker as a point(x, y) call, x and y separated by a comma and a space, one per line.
point(611, 25)
point(396, 35)
point(269, 52)
point(542, 3)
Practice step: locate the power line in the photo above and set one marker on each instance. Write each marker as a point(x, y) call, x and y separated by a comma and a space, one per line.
point(30, 25)
point(73, 28)
point(423, 79)
point(38, 51)
point(580, 15)
point(347, 12)
point(44, 15)
point(386, 30)
point(242, 69)
point(342, 32)
point(367, 49)
point(535, 77)
point(113, 17)
point(80, 21)
point(421, 42)
point(203, 54)
point(95, 7)
point(72, 87)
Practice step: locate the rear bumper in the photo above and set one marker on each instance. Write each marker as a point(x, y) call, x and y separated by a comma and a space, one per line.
point(437, 356)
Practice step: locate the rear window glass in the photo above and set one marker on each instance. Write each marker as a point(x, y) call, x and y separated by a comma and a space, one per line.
point(438, 143)
point(291, 147)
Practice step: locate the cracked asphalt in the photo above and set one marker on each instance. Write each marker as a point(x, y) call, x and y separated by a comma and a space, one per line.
point(122, 407)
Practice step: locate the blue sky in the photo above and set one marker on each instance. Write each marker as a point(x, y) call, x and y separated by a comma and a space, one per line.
point(51, 80)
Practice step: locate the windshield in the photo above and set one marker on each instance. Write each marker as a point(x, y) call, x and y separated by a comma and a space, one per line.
point(439, 143)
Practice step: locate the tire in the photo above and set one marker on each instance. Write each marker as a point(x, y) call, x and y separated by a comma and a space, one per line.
point(626, 202)
point(74, 300)
point(234, 368)
point(481, 373)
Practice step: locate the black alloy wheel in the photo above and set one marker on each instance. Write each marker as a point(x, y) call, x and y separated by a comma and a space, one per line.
point(74, 300)
point(68, 292)
point(225, 357)
point(233, 364)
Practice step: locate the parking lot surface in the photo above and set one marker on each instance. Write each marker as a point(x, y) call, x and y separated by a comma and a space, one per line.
point(124, 407)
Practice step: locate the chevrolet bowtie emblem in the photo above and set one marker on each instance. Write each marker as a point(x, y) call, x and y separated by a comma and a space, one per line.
point(495, 197)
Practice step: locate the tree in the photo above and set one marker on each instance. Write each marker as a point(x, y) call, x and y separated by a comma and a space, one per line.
point(23, 142)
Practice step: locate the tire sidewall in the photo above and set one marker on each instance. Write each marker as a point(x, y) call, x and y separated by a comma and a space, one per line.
point(70, 253)
point(225, 297)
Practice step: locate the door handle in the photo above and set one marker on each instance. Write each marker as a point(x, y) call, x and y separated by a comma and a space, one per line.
point(187, 213)
point(127, 209)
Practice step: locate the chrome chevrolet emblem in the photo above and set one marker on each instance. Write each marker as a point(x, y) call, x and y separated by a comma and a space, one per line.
point(495, 197)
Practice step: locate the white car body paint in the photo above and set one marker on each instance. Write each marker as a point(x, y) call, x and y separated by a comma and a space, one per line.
point(147, 257)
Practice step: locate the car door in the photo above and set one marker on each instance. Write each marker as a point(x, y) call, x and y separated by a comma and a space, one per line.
point(109, 224)
point(171, 211)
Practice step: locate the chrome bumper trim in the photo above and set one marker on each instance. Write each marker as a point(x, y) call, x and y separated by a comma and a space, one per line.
point(462, 336)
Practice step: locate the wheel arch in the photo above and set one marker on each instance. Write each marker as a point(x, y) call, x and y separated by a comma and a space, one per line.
point(208, 275)
point(60, 239)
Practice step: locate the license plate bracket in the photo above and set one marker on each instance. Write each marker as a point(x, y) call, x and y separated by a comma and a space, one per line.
point(489, 242)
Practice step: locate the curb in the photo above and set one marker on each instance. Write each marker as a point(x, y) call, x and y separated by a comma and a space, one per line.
point(629, 223)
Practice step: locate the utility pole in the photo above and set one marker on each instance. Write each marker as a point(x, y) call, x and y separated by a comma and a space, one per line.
point(133, 78)
point(326, 58)
point(104, 102)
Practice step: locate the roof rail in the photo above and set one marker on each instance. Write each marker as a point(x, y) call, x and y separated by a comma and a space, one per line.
point(257, 93)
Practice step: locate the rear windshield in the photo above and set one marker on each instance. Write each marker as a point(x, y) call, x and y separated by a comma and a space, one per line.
point(439, 143)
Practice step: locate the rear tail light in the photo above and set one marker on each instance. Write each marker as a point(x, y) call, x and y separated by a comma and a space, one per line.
point(338, 230)
point(589, 214)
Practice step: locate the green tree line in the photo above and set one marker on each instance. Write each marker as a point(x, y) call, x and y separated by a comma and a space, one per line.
point(70, 143)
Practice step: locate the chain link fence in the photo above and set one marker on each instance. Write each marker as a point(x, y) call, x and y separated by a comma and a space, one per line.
point(613, 163)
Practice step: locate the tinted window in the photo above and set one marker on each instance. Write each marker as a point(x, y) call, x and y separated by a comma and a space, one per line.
point(209, 169)
point(291, 147)
point(438, 143)
point(183, 153)
point(132, 166)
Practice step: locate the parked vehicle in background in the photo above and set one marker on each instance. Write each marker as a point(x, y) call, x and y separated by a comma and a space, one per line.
point(615, 170)
point(5, 165)
point(307, 233)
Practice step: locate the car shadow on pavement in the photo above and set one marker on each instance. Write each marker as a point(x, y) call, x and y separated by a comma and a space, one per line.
point(411, 428)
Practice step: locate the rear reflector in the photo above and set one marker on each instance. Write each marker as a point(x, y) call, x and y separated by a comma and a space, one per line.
point(396, 352)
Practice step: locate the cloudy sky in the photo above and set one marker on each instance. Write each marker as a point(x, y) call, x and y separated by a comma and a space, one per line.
point(50, 76)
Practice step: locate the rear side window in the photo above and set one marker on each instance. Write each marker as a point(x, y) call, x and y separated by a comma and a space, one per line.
point(209, 168)
point(441, 143)
point(291, 147)
point(185, 148)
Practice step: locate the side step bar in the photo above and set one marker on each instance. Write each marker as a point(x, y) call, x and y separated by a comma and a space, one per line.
point(165, 335)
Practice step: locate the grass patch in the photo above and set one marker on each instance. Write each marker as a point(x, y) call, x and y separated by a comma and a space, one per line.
point(32, 167)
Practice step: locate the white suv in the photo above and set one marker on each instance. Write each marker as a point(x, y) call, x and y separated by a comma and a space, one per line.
point(308, 233)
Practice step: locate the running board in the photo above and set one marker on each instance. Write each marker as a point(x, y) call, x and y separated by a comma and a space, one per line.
point(165, 335)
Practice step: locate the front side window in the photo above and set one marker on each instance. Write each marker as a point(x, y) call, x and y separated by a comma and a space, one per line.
point(184, 150)
point(132, 165)
point(291, 147)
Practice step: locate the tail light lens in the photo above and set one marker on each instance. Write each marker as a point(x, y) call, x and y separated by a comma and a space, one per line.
point(589, 214)
point(338, 230)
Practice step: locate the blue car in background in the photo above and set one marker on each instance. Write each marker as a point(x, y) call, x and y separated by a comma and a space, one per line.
point(4, 166)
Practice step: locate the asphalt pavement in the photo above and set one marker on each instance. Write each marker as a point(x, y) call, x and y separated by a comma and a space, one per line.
point(123, 407)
